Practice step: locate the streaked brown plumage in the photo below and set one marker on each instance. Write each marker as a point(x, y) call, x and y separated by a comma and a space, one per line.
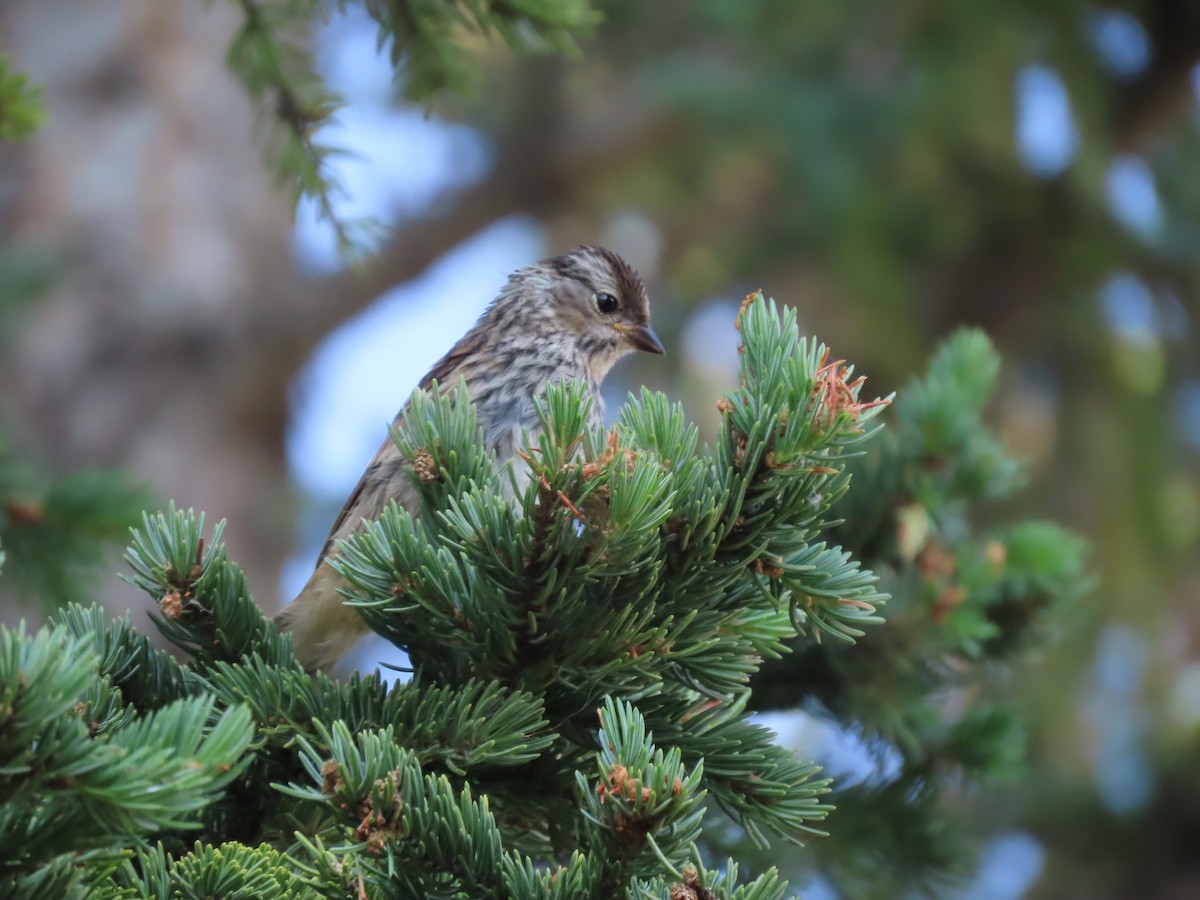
point(566, 318)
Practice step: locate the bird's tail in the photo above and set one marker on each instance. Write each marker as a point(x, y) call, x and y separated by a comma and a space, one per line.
point(323, 627)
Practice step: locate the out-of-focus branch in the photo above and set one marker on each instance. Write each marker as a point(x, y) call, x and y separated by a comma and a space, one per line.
point(278, 72)
point(20, 109)
point(434, 44)
point(536, 173)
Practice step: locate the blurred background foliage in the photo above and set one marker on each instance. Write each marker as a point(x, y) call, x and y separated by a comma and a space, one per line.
point(894, 168)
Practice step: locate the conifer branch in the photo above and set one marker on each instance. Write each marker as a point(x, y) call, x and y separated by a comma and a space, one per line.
point(81, 780)
point(584, 651)
point(21, 109)
point(204, 605)
point(55, 531)
point(430, 43)
point(270, 56)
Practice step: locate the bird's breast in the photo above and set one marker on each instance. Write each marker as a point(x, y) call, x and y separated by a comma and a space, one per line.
point(509, 418)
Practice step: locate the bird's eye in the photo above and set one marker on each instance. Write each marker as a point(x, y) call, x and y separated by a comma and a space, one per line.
point(606, 302)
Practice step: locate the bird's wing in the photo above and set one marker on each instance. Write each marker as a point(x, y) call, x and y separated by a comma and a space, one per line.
point(384, 477)
point(383, 480)
point(449, 366)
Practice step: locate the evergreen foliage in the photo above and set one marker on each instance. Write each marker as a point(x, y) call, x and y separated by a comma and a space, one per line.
point(55, 528)
point(20, 104)
point(583, 648)
point(431, 45)
point(925, 695)
point(84, 775)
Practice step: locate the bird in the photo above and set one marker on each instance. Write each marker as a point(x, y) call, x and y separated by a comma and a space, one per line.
point(565, 318)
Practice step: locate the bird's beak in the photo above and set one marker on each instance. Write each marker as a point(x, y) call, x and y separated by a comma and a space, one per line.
point(642, 337)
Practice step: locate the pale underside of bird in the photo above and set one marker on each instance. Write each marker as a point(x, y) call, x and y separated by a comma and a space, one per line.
point(566, 318)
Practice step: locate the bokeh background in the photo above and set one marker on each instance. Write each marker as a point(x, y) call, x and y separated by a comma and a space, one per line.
point(892, 168)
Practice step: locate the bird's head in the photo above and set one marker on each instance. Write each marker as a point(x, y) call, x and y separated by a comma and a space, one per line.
point(597, 302)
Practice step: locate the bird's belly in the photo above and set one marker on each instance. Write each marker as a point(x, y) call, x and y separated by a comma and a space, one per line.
point(512, 428)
